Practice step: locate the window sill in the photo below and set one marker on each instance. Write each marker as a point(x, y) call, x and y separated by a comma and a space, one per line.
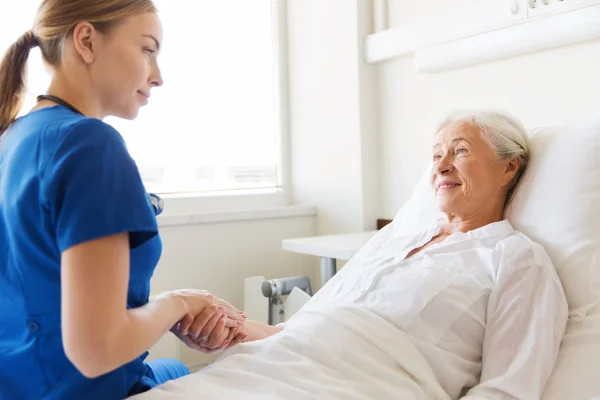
point(236, 215)
point(222, 202)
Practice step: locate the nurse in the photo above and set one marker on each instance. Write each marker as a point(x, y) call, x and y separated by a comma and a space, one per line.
point(78, 234)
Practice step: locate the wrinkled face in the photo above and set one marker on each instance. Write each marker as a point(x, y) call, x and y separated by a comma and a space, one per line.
point(467, 177)
point(126, 68)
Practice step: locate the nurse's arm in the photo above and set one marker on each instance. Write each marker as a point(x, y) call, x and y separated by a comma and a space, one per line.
point(99, 333)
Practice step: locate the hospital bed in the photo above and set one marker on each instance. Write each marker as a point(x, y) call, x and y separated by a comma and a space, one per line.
point(297, 287)
point(558, 205)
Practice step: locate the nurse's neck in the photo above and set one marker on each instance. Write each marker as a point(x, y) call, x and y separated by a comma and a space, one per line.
point(74, 93)
point(71, 82)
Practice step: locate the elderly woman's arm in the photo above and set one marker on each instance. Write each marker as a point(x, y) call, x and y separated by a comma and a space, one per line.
point(526, 319)
point(257, 330)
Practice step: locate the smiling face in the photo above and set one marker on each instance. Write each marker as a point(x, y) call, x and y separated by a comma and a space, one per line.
point(467, 177)
point(126, 67)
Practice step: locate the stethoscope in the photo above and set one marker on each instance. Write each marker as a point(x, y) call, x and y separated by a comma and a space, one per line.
point(157, 203)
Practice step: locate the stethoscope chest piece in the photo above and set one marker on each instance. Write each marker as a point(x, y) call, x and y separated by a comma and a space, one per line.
point(157, 203)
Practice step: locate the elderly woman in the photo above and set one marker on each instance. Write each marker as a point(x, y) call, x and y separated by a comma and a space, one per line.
point(467, 309)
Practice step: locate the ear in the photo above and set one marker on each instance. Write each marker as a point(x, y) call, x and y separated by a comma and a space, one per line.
point(510, 169)
point(85, 40)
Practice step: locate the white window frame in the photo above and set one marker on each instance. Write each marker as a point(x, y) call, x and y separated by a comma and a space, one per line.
point(207, 202)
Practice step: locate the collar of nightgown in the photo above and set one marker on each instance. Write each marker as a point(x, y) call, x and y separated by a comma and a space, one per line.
point(495, 229)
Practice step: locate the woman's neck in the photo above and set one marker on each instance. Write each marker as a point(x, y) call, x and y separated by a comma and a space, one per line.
point(457, 223)
point(76, 94)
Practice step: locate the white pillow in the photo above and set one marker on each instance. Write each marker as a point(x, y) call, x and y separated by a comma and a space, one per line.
point(575, 376)
point(557, 204)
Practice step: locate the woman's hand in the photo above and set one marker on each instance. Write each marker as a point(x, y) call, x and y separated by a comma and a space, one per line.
point(240, 334)
point(208, 332)
point(196, 301)
point(211, 332)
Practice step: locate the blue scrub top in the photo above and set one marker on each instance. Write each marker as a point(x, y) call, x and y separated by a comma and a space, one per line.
point(64, 179)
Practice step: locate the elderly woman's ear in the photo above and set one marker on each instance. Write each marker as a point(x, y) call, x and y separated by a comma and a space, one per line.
point(512, 167)
point(512, 174)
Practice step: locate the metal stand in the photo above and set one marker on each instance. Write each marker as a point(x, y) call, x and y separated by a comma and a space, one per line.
point(275, 288)
point(328, 269)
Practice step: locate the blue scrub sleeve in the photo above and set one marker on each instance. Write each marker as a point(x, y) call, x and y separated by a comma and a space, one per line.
point(94, 189)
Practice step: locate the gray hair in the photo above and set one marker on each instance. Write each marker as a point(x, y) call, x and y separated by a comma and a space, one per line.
point(505, 135)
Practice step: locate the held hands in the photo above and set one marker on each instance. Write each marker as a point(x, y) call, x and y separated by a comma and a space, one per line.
point(211, 324)
point(197, 301)
point(211, 331)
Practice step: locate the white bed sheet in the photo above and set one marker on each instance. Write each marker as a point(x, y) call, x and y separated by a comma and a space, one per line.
point(371, 359)
point(577, 372)
point(558, 205)
point(576, 377)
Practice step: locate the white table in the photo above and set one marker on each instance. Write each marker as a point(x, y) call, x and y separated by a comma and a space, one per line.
point(329, 248)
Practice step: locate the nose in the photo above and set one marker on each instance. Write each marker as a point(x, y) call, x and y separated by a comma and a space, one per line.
point(445, 165)
point(156, 79)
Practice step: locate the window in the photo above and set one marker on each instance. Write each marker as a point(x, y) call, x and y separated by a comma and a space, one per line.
point(215, 124)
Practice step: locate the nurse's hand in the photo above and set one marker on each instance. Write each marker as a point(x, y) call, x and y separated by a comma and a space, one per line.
point(209, 332)
point(236, 335)
point(239, 335)
point(197, 301)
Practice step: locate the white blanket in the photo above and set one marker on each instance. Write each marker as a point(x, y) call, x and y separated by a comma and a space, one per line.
point(338, 351)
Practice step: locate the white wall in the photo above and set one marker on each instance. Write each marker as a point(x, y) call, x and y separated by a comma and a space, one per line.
point(217, 257)
point(333, 113)
point(355, 127)
point(542, 88)
point(334, 157)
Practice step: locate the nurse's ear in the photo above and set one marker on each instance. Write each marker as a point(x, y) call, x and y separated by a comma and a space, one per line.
point(86, 41)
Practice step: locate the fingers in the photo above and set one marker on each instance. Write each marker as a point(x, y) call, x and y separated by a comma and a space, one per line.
point(237, 340)
point(210, 326)
point(240, 333)
point(234, 315)
point(232, 333)
point(197, 345)
point(233, 338)
point(232, 323)
point(199, 300)
point(218, 335)
point(227, 305)
point(185, 324)
point(194, 345)
point(231, 311)
point(201, 320)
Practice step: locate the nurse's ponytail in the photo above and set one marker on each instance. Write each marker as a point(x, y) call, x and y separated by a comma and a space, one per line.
point(54, 23)
point(12, 78)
